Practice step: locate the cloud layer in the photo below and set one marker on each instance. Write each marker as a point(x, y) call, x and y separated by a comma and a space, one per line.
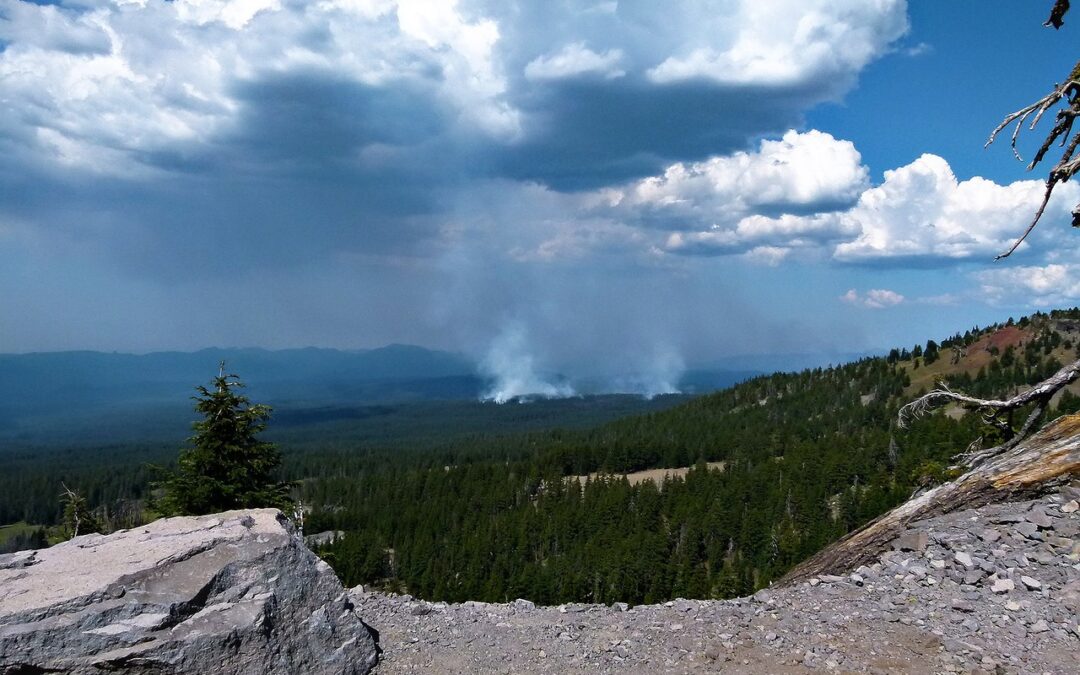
point(551, 186)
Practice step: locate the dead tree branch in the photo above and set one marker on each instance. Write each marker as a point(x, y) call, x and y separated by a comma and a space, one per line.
point(992, 411)
point(1069, 94)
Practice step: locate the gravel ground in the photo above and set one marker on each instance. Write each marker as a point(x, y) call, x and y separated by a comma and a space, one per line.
point(995, 589)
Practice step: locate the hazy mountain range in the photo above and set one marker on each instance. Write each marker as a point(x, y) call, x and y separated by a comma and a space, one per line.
point(55, 394)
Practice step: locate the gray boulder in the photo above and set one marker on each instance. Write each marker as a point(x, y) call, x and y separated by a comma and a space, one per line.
point(234, 592)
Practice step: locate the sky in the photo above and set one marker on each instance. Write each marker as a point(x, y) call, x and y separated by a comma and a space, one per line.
point(614, 189)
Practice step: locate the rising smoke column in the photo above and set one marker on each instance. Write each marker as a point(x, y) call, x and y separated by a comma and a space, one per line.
point(510, 363)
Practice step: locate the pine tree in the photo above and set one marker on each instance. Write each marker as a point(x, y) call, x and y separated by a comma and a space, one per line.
point(227, 466)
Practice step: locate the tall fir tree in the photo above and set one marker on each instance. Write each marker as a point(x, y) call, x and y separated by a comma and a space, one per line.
point(227, 466)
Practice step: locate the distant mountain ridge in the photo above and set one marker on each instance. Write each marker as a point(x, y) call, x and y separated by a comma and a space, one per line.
point(394, 373)
point(50, 396)
point(92, 378)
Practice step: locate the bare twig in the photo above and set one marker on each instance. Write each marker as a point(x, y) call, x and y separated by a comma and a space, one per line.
point(1034, 221)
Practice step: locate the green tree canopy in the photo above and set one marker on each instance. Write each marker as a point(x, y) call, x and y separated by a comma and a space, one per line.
point(227, 466)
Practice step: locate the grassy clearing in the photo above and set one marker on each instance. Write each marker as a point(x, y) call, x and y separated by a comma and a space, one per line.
point(15, 529)
point(656, 475)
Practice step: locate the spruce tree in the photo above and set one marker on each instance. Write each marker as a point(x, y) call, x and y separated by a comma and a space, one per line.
point(227, 466)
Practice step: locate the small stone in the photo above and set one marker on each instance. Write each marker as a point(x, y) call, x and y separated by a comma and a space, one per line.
point(990, 535)
point(856, 579)
point(763, 595)
point(1032, 584)
point(962, 606)
point(1002, 585)
point(1029, 530)
point(521, 603)
point(937, 564)
point(912, 541)
point(1038, 517)
point(964, 559)
point(1070, 506)
point(814, 581)
point(620, 607)
point(1012, 606)
point(1007, 518)
point(1040, 626)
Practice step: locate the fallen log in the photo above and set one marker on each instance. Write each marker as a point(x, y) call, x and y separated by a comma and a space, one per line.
point(1037, 465)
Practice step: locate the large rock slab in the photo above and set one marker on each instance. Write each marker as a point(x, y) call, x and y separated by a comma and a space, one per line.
point(234, 592)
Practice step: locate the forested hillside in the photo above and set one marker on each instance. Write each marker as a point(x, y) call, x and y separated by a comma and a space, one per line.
point(493, 510)
point(808, 457)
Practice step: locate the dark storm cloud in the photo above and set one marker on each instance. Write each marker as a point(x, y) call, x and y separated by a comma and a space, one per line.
point(589, 134)
point(317, 119)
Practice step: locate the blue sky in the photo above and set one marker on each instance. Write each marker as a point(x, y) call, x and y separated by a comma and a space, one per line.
point(618, 189)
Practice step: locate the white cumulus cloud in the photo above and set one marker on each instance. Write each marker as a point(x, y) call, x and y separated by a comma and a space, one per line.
point(575, 60)
point(1034, 285)
point(799, 172)
point(877, 298)
point(920, 214)
point(787, 41)
point(922, 211)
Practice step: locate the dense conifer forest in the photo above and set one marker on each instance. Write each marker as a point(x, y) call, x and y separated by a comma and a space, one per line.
point(806, 457)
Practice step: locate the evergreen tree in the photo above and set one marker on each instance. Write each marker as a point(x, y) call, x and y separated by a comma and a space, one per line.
point(227, 466)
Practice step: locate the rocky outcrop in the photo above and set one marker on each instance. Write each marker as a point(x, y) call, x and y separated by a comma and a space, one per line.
point(234, 592)
point(994, 589)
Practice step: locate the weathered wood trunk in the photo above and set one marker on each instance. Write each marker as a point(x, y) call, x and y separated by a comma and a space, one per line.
point(1037, 465)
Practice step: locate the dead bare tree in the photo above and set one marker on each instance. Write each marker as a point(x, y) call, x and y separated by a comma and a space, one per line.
point(76, 507)
point(1067, 93)
point(996, 413)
